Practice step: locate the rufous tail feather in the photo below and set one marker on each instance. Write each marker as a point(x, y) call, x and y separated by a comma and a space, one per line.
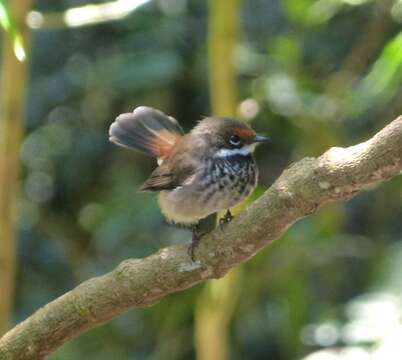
point(147, 130)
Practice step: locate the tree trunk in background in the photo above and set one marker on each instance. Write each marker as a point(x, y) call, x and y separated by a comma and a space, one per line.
point(12, 89)
point(219, 297)
point(223, 28)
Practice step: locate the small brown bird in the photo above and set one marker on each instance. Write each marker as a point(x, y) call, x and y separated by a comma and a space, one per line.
point(199, 173)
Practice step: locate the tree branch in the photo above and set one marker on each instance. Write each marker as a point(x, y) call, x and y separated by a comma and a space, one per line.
point(302, 188)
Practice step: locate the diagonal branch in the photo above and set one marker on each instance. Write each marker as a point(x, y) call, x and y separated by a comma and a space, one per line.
point(308, 184)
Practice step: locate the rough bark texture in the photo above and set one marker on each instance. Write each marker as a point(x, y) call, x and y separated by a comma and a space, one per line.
point(306, 185)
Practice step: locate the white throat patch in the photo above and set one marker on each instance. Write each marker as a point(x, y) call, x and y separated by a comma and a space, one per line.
point(243, 151)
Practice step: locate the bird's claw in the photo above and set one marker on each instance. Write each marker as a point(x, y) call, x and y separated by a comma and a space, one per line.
point(227, 218)
point(194, 242)
point(197, 235)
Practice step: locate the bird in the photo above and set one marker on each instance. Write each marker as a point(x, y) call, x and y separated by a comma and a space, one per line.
point(209, 169)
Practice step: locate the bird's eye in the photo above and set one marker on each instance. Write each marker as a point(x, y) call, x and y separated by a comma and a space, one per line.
point(234, 140)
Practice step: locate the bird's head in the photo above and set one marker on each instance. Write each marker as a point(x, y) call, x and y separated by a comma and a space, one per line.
point(228, 137)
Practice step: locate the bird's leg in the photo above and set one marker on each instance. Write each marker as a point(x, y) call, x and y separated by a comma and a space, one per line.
point(197, 235)
point(203, 227)
point(227, 218)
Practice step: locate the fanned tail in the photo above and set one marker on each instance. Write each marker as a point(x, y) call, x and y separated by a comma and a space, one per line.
point(147, 130)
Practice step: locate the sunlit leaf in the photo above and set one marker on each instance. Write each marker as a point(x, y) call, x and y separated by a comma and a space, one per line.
point(387, 69)
point(19, 50)
point(383, 80)
point(4, 17)
point(7, 24)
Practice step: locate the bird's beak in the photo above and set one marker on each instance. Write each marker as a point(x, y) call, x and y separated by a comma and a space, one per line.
point(261, 138)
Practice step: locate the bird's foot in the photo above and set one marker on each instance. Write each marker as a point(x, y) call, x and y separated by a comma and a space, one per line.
point(227, 218)
point(197, 235)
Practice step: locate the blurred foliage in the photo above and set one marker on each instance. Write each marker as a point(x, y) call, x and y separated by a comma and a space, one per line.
point(312, 74)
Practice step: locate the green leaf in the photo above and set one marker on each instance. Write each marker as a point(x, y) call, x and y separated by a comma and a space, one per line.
point(383, 80)
point(8, 25)
point(5, 20)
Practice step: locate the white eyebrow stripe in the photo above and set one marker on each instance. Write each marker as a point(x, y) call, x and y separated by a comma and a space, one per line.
point(243, 151)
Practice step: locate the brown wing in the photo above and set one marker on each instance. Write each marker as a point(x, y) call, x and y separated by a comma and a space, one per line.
point(147, 130)
point(179, 169)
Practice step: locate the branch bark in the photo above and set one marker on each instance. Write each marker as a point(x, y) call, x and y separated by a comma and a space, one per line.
point(302, 188)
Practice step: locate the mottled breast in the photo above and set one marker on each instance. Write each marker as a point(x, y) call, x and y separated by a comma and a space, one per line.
point(228, 180)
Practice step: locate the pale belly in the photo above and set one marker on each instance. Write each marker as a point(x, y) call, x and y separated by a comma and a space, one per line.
point(188, 204)
point(181, 207)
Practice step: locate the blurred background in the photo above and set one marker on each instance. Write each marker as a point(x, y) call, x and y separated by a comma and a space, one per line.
point(310, 73)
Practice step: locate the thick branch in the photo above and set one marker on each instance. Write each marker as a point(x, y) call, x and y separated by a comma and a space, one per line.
point(301, 189)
